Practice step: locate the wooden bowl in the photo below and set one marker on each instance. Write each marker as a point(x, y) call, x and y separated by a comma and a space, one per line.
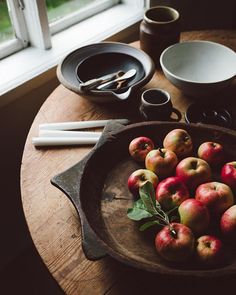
point(97, 186)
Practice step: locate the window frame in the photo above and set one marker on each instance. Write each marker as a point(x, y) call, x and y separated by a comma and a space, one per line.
point(19, 26)
point(74, 18)
point(31, 26)
point(118, 24)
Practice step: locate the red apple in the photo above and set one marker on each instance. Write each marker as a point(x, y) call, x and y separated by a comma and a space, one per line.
point(179, 142)
point(137, 179)
point(209, 250)
point(161, 161)
point(171, 192)
point(193, 171)
point(139, 147)
point(212, 152)
point(228, 174)
point(175, 242)
point(228, 223)
point(216, 196)
point(195, 215)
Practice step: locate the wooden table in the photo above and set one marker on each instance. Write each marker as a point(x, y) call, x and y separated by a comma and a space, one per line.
point(52, 219)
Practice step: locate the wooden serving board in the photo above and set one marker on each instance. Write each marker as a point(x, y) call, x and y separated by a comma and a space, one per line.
point(97, 186)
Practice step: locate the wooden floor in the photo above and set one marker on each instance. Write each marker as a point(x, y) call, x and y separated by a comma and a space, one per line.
point(27, 275)
point(21, 270)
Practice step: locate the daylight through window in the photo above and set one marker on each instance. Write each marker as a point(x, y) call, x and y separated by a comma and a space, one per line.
point(6, 28)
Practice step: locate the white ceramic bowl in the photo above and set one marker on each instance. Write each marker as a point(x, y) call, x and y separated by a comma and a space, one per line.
point(199, 68)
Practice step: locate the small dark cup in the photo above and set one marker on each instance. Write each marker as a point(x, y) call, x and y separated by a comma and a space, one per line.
point(156, 105)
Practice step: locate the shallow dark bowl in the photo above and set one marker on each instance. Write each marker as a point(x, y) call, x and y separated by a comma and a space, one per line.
point(99, 59)
point(99, 65)
point(209, 114)
point(97, 186)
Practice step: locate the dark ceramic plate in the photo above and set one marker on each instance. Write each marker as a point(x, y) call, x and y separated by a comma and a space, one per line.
point(102, 64)
point(104, 58)
point(207, 114)
point(97, 186)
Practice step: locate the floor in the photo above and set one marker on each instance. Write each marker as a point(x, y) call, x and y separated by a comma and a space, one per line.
point(27, 275)
point(21, 268)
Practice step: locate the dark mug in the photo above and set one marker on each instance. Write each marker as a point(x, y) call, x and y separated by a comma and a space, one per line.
point(156, 105)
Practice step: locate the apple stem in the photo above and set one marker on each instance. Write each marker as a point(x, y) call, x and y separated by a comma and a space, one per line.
point(161, 215)
point(162, 154)
point(173, 232)
point(186, 138)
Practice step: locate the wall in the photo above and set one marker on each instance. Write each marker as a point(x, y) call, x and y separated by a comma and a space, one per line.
point(203, 14)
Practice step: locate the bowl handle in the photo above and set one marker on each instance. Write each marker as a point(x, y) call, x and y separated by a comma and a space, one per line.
point(69, 182)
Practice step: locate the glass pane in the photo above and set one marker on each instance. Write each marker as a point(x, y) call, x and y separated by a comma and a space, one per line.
point(59, 8)
point(6, 29)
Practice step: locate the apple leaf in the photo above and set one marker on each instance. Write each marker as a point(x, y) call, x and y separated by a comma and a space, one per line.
point(147, 207)
point(147, 195)
point(138, 214)
point(138, 211)
point(148, 224)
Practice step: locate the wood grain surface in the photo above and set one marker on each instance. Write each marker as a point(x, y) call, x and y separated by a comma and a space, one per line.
point(52, 219)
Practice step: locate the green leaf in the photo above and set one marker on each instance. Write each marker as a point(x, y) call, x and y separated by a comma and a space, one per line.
point(147, 195)
point(139, 204)
point(158, 205)
point(137, 213)
point(148, 224)
point(147, 206)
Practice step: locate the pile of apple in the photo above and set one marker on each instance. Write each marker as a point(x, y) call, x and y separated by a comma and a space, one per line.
point(184, 184)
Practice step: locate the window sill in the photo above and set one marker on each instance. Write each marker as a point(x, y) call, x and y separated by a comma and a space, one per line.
point(31, 67)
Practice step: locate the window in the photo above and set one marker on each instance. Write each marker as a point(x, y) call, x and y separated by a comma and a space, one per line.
point(12, 28)
point(6, 29)
point(64, 13)
point(35, 25)
point(33, 22)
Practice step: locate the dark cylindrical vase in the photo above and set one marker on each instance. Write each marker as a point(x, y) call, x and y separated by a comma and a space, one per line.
point(159, 29)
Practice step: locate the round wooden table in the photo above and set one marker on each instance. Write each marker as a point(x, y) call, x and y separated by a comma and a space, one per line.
point(52, 219)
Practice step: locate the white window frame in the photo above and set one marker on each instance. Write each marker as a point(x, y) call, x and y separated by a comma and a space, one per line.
point(73, 18)
point(39, 66)
point(18, 22)
point(30, 23)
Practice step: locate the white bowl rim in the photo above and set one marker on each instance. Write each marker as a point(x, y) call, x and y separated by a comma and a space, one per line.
point(192, 81)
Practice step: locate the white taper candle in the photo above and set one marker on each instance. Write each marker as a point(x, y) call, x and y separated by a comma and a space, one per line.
point(78, 125)
point(57, 141)
point(64, 133)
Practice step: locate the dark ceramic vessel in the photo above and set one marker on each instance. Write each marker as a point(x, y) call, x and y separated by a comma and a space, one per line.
point(159, 29)
point(156, 105)
point(99, 59)
point(207, 114)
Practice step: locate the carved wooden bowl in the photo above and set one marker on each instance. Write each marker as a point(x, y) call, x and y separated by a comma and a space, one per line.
point(97, 186)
